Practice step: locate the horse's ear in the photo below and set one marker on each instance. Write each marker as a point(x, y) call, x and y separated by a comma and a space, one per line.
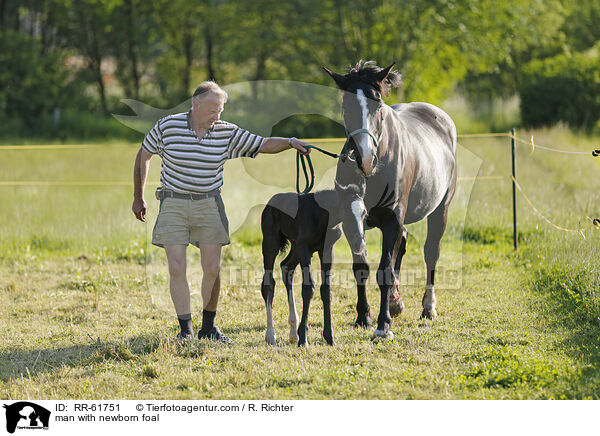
point(389, 78)
point(382, 75)
point(339, 79)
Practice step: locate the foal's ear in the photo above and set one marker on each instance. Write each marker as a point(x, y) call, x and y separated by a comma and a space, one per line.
point(340, 80)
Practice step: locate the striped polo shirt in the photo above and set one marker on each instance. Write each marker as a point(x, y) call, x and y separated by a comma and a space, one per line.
point(193, 165)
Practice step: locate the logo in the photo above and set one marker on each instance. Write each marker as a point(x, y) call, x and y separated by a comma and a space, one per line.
point(26, 415)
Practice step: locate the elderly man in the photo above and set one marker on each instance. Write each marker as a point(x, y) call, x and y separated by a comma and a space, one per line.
point(194, 146)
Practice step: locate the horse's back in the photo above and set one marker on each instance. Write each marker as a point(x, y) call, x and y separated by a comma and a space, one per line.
point(430, 137)
point(417, 115)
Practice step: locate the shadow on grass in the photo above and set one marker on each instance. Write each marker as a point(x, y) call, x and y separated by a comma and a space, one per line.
point(236, 330)
point(15, 364)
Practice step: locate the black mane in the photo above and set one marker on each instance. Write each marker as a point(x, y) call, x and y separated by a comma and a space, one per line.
point(368, 72)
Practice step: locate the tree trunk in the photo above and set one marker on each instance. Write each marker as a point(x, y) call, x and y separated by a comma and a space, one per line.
point(91, 49)
point(2, 9)
point(132, 47)
point(342, 27)
point(95, 63)
point(258, 73)
point(209, 53)
point(188, 45)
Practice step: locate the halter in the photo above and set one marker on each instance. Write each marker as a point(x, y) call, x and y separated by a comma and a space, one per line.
point(368, 132)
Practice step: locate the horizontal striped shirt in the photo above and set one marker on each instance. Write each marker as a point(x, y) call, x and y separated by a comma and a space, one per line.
point(190, 164)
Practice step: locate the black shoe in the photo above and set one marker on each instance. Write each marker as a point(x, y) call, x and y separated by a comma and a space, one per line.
point(184, 338)
point(214, 334)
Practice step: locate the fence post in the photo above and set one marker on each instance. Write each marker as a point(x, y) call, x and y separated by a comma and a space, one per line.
point(514, 187)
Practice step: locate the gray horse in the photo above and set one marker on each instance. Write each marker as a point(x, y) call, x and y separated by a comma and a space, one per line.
point(401, 169)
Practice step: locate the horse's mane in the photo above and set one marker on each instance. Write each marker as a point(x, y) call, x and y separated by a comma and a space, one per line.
point(367, 71)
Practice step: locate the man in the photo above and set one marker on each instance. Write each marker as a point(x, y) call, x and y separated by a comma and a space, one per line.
point(194, 146)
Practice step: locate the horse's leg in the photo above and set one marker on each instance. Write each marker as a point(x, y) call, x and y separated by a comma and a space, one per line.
point(395, 299)
point(326, 257)
point(392, 232)
point(308, 291)
point(270, 248)
point(436, 225)
point(353, 227)
point(288, 265)
point(360, 268)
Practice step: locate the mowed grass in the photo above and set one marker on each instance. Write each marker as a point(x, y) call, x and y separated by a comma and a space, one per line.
point(86, 310)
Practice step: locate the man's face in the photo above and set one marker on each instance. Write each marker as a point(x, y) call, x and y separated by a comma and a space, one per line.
point(208, 110)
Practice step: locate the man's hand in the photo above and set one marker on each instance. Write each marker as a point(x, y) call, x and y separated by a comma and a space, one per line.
point(299, 145)
point(139, 209)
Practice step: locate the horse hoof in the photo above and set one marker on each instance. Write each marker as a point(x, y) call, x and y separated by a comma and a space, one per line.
point(382, 334)
point(293, 339)
point(270, 338)
point(428, 314)
point(396, 304)
point(328, 338)
point(364, 323)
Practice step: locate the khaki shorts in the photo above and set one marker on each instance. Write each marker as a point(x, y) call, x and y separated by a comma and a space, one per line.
point(183, 222)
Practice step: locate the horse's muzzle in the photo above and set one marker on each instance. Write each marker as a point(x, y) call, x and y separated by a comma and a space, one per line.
point(367, 165)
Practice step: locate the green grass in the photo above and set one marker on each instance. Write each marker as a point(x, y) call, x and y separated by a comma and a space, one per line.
point(86, 311)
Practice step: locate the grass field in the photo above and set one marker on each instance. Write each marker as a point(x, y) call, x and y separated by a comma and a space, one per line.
point(86, 311)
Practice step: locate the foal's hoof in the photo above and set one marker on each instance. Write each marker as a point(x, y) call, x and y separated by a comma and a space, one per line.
point(328, 338)
point(429, 313)
point(382, 334)
point(303, 345)
point(396, 304)
point(270, 338)
point(364, 322)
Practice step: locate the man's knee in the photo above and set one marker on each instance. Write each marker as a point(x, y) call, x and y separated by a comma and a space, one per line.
point(177, 268)
point(211, 268)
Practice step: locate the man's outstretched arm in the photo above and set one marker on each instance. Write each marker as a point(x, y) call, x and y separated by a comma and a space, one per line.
point(140, 174)
point(277, 144)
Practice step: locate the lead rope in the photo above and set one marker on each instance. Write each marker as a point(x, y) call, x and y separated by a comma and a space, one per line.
point(303, 159)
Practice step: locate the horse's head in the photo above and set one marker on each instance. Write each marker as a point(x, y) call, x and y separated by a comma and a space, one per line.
point(365, 86)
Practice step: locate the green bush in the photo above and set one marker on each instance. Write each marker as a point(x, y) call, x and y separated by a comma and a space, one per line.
point(31, 82)
point(562, 88)
point(308, 126)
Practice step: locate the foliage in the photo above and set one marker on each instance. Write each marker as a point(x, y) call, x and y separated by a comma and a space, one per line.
point(87, 54)
point(31, 84)
point(562, 88)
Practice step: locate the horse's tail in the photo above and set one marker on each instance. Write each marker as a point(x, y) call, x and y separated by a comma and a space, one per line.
point(271, 230)
point(283, 243)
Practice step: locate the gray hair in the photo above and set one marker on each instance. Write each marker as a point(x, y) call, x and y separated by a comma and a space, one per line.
point(207, 87)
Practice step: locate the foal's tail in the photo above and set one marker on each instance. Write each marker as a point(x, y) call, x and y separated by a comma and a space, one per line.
point(273, 237)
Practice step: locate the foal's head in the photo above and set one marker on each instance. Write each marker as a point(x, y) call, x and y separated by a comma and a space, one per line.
point(362, 106)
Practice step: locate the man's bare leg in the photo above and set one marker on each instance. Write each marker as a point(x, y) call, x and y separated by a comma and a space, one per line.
point(210, 255)
point(178, 285)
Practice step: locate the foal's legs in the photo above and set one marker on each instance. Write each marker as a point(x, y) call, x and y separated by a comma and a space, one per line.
point(288, 265)
point(392, 232)
point(436, 225)
point(270, 248)
point(326, 257)
point(308, 291)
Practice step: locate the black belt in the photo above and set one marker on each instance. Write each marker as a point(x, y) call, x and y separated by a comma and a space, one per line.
point(165, 193)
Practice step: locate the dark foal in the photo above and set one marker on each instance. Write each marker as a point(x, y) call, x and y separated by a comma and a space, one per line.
point(311, 223)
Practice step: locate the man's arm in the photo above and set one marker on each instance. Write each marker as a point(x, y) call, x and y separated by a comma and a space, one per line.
point(140, 174)
point(277, 144)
